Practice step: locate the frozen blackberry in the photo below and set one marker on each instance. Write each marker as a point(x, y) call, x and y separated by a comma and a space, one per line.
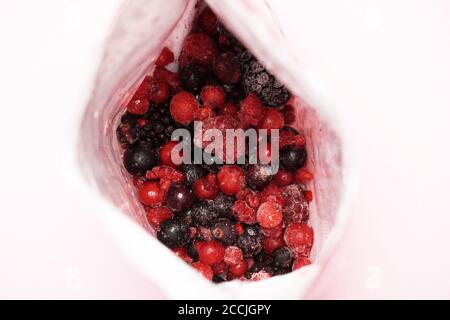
point(250, 241)
point(203, 214)
point(224, 230)
point(282, 258)
point(192, 172)
point(292, 158)
point(258, 80)
point(173, 233)
point(222, 205)
point(258, 176)
point(139, 158)
point(193, 77)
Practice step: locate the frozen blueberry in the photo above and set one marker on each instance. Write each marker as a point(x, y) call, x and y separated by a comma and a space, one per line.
point(139, 158)
point(173, 233)
point(293, 158)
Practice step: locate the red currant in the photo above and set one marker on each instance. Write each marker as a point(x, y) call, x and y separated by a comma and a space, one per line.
point(165, 57)
point(206, 188)
point(150, 194)
point(272, 244)
point(233, 255)
point(204, 269)
point(165, 154)
point(159, 91)
point(284, 178)
point(231, 179)
point(239, 269)
point(156, 216)
point(300, 262)
point(184, 107)
point(269, 215)
point(210, 252)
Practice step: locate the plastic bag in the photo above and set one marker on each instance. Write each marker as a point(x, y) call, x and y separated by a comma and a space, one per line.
point(141, 30)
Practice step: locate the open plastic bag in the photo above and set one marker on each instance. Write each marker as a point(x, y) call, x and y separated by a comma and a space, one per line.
point(142, 29)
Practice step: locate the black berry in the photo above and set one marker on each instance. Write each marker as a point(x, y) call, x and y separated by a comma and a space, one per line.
point(222, 205)
point(139, 158)
point(293, 158)
point(179, 197)
point(250, 241)
point(203, 214)
point(224, 230)
point(258, 176)
point(173, 233)
point(193, 77)
point(282, 258)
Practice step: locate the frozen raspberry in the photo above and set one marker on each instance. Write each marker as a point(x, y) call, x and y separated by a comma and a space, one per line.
point(273, 119)
point(229, 109)
point(272, 193)
point(239, 269)
point(139, 101)
point(213, 96)
point(168, 76)
point(210, 252)
point(151, 194)
point(296, 206)
point(198, 48)
point(233, 255)
point(179, 197)
point(300, 263)
point(303, 176)
point(284, 178)
point(222, 204)
point(182, 253)
point(204, 269)
point(231, 179)
point(299, 238)
point(250, 241)
point(165, 57)
point(203, 214)
point(250, 197)
point(184, 107)
point(226, 68)
point(165, 154)
point(224, 231)
point(156, 216)
point(292, 158)
point(165, 173)
point(244, 213)
point(221, 123)
point(290, 138)
point(272, 244)
point(269, 215)
point(159, 91)
point(207, 21)
point(205, 113)
point(258, 176)
point(252, 111)
point(173, 233)
point(206, 188)
point(193, 77)
point(204, 234)
point(282, 258)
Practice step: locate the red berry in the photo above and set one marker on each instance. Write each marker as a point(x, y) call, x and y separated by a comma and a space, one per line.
point(233, 255)
point(159, 91)
point(210, 252)
point(231, 179)
point(272, 193)
point(156, 216)
point(198, 48)
point(219, 267)
point(206, 188)
point(272, 244)
point(238, 270)
point(299, 238)
point(165, 154)
point(213, 96)
point(204, 269)
point(226, 68)
point(229, 109)
point(252, 111)
point(303, 175)
point(207, 21)
point(273, 119)
point(182, 253)
point(300, 262)
point(269, 215)
point(171, 78)
point(289, 114)
point(184, 107)
point(239, 228)
point(150, 194)
point(275, 232)
point(284, 178)
point(309, 196)
point(244, 212)
point(139, 101)
point(165, 57)
point(205, 113)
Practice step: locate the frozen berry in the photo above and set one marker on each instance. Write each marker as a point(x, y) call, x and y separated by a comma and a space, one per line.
point(250, 241)
point(179, 197)
point(210, 252)
point(184, 107)
point(192, 172)
point(213, 96)
point(303, 176)
point(159, 91)
point(204, 269)
point(252, 111)
point(284, 178)
point(193, 77)
point(155, 216)
point(293, 158)
point(168, 76)
point(139, 103)
point(226, 68)
point(224, 230)
point(139, 158)
point(203, 214)
point(309, 196)
point(239, 269)
point(269, 215)
point(198, 48)
point(165, 57)
point(231, 179)
point(218, 279)
point(192, 251)
point(151, 194)
point(233, 255)
point(258, 176)
point(222, 204)
point(282, 258)
point(300, 263)
point(165, 154)
point(182, 253)
point(272, 244)
point(173, 233)
point(207, 21)
point(206, 188)
point(127, 133)
point(273, 119)
point(299, 238)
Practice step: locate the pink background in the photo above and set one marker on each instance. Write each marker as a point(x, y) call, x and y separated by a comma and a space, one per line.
point(383, 63)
